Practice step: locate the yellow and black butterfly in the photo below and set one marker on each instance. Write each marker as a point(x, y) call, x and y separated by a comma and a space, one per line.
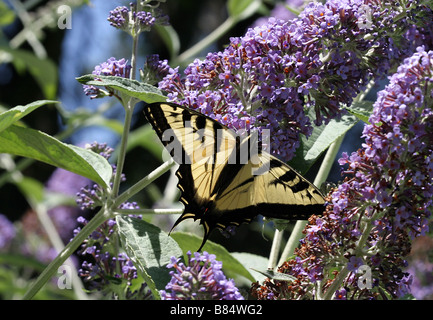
point(222, 181)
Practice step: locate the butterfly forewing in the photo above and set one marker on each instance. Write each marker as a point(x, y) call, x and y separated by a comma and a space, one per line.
point(222, 182)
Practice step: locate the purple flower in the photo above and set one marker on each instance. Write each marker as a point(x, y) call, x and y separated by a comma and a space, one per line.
point(341, 294)
point(354, 263)
point(422, 284)
point(104, 267)
point(276, 72)
point(145, 20)
point(119, 17)
point(64, 217)
point(133, 21)
point(91, 196)
point(7, 232)
point(383, 203)
point(201, 279)
point(154, 70)
point(112, 67)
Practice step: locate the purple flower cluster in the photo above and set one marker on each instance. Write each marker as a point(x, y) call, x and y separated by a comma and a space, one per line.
point(201, 279)
point(91, 196)
point(422, 285)
point(133, 21)
point(104, 268)
point(384, 202)
point(112, 67)
point(7, 232)
point(64, 216)
point(284, 74)
point(144, 19)
point(119, 17)
point(154, 70)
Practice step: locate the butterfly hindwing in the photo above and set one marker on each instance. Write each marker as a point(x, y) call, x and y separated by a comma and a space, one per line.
point(221, 182)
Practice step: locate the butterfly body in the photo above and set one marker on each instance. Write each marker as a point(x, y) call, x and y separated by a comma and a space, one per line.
point(226, 179)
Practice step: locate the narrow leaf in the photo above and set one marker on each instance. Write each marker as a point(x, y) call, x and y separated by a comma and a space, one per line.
point(43, 70)
point(252, 262)
point(31, 188)
point(150, 249)
point(37, 145)
point(170, 37)
point(276, 275)
point(362, 110)
point(320, 140)
point(11, 116)
point(133, 88)
point(242, 9)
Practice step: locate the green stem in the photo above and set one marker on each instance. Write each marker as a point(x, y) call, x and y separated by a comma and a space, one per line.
point(69, 249)
point(296, 234)
point(134, 56)
point(276, 244)
point(122, 152)
point(207, 41)
point(335, 284)
point(56, 241)
point(293, 241)
point(149, 211)
point(129, 110)
point(230, 22)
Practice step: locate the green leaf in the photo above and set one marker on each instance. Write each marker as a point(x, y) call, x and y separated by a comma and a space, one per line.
point(362, 110)
point(31, 188)
point(150, 249)
point(37, 145)
point(252, 262)
point(11, 116)
point(43, 70)
point(133, 88)
point(231, 265)
point(276, 275)
point(320, 140)
point(242, 9)
point(171, 39)
point(7, 16)
point(18, 260)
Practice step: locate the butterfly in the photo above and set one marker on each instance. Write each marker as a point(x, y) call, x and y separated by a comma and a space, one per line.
point(226, 179)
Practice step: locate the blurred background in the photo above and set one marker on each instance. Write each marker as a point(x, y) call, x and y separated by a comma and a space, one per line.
point(39, 60)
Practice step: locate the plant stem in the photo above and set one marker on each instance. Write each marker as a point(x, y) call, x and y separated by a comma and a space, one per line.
point(276, 244)
point(296, 234)
point(129, 110)
point(122, 152)
point(203, 44)
point(229, 23)
point(149, 211)
point(293, 241)
point(69, 249)
point(56, 241)
point(335, 284)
